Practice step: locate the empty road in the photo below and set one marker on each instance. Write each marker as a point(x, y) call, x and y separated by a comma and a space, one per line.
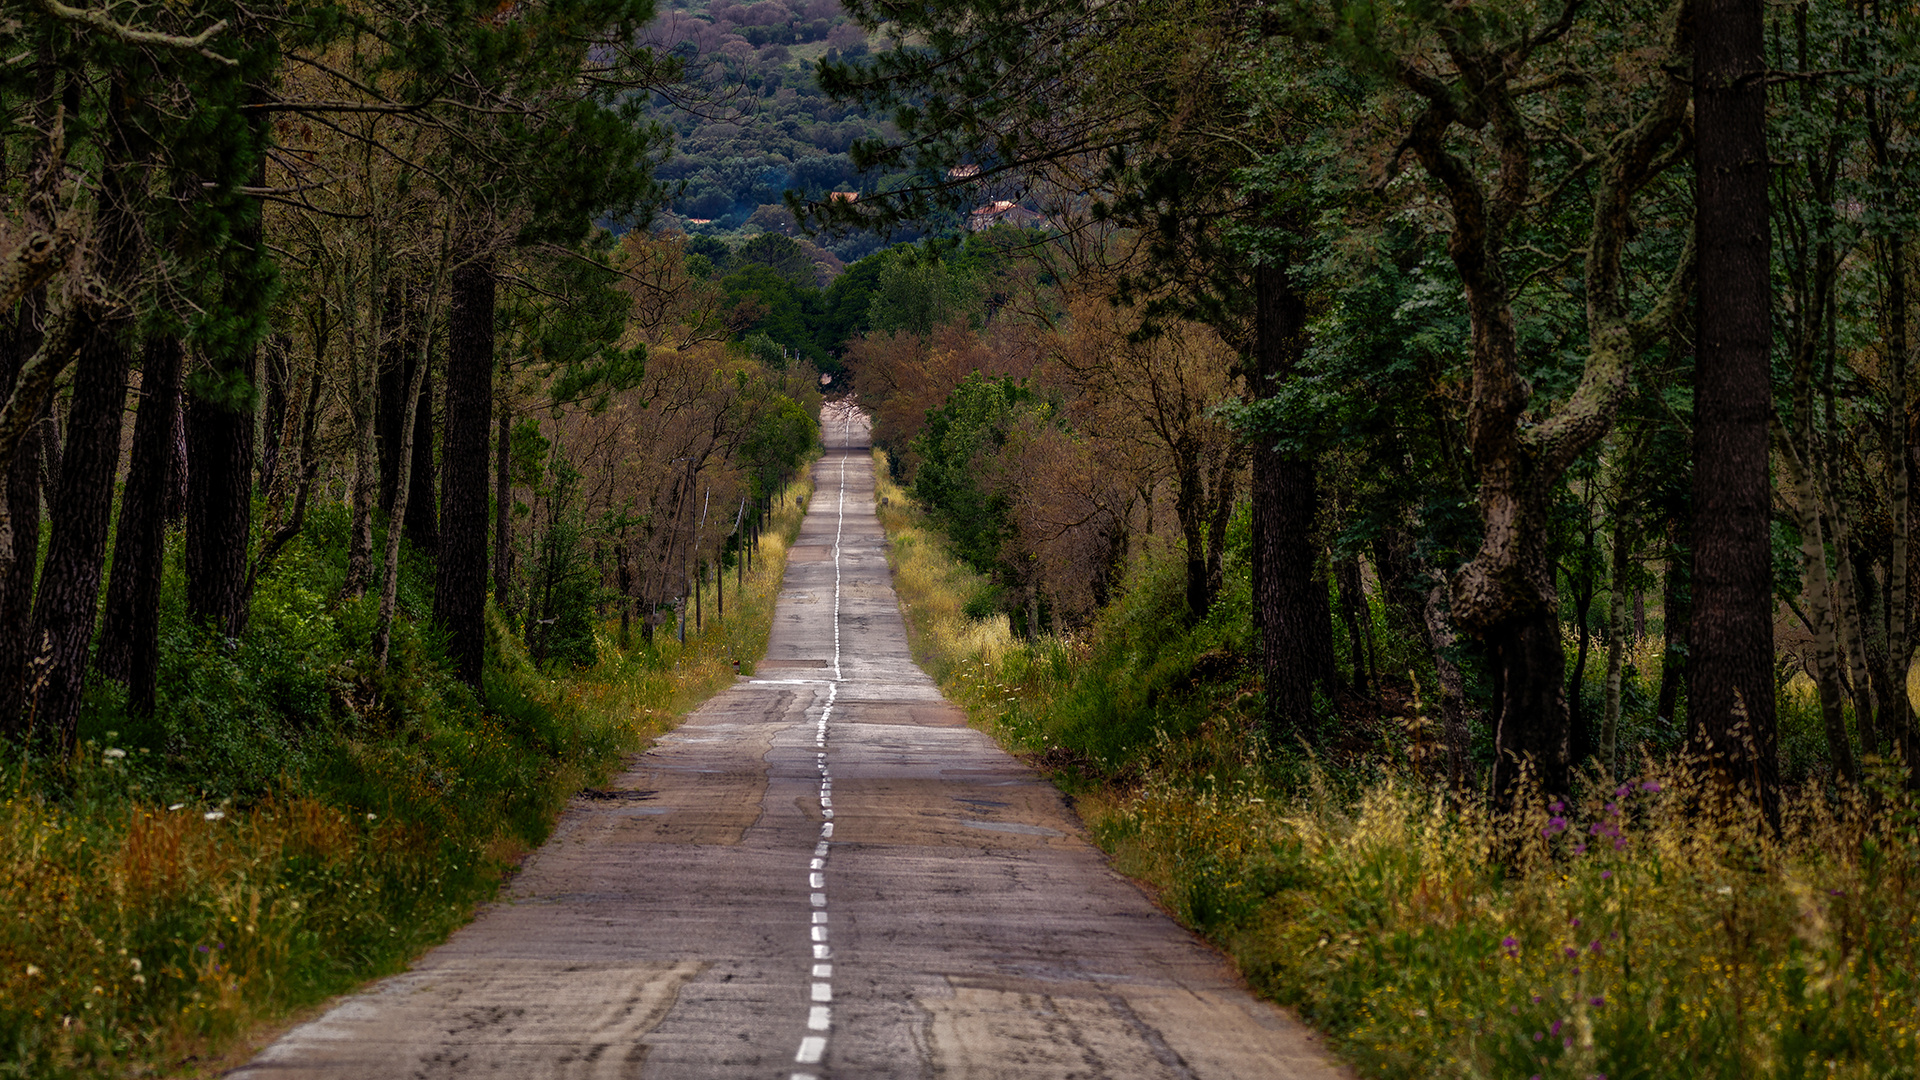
point(822, 873)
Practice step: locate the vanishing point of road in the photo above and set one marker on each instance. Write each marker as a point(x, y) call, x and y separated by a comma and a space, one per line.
point(823, 873)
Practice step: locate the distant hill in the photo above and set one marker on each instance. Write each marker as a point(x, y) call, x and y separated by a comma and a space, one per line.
point(757, 124)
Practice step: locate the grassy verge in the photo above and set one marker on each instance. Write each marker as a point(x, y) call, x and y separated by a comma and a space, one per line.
point(1636, 934)
point(292, 823)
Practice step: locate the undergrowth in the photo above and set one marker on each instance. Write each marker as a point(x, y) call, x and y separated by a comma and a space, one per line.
point(290, 822)
point(1642, 931)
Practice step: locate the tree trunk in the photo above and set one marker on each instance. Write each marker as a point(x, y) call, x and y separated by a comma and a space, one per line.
point(1289, 593)
point(22, 492)
point(403, 487)
point(129, 649)
point(1453, 689)
point(67, 603)
point(422, 525)
point(1583, 589)
point(503, 503)
point(1353, 609)
point(219, 534)
point(362, 347)
point(460, 586)
point(1818, 589)
point(400, 356)
point(1618, 629)
point(276, 372)
point(1526, 651)
point(1676, 614)
point(178, 485)
point(1730, 670)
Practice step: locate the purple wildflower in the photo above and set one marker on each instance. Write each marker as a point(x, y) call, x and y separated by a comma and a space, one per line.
point(1554, 1029)
point(1648, 786)
point(1605, 874)
point(1538, 1035)
point(1597, 1002)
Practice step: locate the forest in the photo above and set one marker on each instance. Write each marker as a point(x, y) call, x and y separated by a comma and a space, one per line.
point(377, 474)
point(1424, 477)
point(1431, 479)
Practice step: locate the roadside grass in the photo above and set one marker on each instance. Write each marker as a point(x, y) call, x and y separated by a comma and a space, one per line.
point(292, 823)
point(1647, 930)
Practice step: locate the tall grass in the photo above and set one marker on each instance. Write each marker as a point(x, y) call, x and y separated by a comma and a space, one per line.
point(1644, 930)
point(292, 824)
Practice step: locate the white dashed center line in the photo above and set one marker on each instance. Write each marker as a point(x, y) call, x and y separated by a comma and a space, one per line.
point(813, 1048)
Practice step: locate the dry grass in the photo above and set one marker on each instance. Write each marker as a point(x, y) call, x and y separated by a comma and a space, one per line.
point(1645, 932)
point(145, 938)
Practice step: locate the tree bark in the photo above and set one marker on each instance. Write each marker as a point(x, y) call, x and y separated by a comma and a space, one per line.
point(363, 350)
point(22, 492)
point(67, 602)
point(1289, 592)
point(460, 586)
point(129, 649)
point(399, 360)
point(1730, 670)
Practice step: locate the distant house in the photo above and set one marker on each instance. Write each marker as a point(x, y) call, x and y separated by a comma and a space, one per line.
point(1003, 212)
point(699, 221)
point(844, 196)
point(963, 172)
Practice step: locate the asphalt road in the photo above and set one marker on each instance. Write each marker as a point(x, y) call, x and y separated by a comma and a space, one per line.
point(822, 873)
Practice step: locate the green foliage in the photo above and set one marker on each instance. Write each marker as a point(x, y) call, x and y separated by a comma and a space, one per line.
point(917, 292)
point(785, 436)
point(952, 481)
point(563, 584)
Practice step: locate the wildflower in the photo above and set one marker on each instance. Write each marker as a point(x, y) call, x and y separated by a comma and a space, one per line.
point(1605, 874)
point(1597, 1002)
point(1622, 792)
point(370, 817)
point(1554, 1029)
point(1538, 1035)
point(1557, 806)
point(214, 815)
point(1579, 849)
point(113, 753)
point(1648, 786)
point(1595, 947)
point(1571, 951)
point(178, 806)
point(33, 971)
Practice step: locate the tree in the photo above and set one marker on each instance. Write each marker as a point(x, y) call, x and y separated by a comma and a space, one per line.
point(1729, 669)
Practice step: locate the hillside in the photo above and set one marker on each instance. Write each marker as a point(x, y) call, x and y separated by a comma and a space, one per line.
point(753, 122)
